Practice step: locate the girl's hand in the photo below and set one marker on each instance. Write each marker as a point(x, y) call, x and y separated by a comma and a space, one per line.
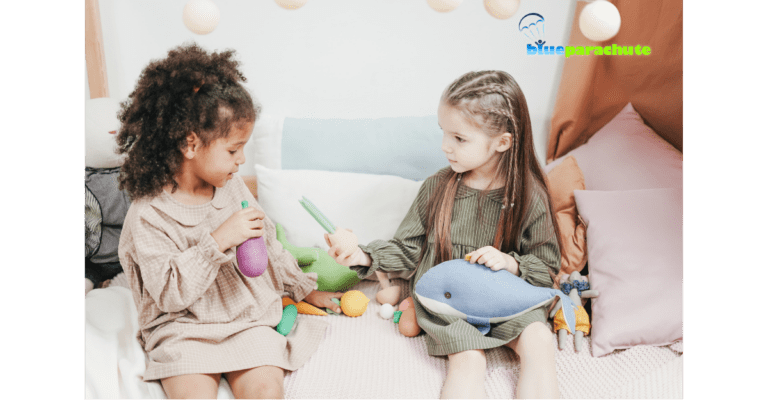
point(494, 259)
point(344, 240)
point(358, 257)
point(241, 226)
point(323, 299)
point(344, 248)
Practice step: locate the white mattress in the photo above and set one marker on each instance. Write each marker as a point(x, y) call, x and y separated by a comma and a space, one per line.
point(366, 357)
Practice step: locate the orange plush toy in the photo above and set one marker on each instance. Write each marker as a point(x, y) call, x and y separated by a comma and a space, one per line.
point(303, 307)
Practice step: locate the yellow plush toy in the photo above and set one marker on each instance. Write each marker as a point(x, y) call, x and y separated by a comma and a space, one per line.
point(354, 303)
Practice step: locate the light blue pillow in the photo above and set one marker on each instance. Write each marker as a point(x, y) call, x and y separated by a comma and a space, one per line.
point(408, 147)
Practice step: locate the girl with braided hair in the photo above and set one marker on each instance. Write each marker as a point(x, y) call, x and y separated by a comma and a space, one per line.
point(183, 130)
point(492, 205)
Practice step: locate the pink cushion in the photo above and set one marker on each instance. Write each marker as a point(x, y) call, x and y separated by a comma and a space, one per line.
point(627, 155)
point(635, 248)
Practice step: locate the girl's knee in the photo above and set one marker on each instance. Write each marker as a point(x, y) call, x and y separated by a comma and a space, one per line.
point(536, 338)
point(264, 388)
point(195, 386)
point(257, 383)
point(269, 390)
point(191, 393)
point(468, 358)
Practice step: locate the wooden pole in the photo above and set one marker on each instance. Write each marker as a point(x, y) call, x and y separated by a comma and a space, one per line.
point(94, 51)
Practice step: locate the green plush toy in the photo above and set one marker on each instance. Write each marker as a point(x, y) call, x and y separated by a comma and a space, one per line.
point(331, 276)
point(290, 313)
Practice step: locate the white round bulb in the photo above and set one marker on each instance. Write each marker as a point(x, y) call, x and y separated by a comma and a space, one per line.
point(201, 16)
point(386, 311)
point(501, 9)
point(444, 6)
point(599, 21)
point(291, 4)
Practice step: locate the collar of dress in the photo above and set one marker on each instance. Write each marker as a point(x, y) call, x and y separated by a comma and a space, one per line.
point(496, 195)
point(190, 215)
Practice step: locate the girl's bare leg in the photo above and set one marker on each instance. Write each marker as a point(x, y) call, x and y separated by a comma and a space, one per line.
point(538, 376)
point(192, 386)
point(466, 376)
point(265, 382)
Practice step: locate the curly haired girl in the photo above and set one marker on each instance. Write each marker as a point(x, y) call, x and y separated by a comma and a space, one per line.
point(183, 130)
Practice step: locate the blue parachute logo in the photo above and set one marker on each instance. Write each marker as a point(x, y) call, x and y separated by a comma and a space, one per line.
point(532, 26)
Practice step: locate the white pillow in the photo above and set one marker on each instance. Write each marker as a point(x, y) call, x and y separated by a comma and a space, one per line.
point(265, 144)
point(373, 206)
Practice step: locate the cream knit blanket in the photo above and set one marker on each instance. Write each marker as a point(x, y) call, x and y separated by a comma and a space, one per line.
point(367, 358)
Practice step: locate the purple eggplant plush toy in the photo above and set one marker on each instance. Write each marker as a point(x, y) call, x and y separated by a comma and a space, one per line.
point(252, 255)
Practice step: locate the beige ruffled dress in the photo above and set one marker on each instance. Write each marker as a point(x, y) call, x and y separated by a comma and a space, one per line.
point(197, 312)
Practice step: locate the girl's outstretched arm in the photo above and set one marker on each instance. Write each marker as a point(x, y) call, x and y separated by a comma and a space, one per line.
point(344, 248)
point(324, 299)
point(403, 251)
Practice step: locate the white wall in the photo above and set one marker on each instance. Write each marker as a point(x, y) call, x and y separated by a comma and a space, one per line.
point(347, 58)
point(87, 95)
point(87, 88)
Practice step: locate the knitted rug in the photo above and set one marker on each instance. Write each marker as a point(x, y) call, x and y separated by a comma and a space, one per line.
point(367, 358)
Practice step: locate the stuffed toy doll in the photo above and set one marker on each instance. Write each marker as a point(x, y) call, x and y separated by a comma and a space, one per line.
point(577, 288)
point(105, 204)
point(483, 296)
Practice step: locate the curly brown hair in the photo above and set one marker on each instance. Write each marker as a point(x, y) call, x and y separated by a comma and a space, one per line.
point(188, 91)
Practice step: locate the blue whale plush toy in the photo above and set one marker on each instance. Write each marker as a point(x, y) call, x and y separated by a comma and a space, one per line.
point(483, 296)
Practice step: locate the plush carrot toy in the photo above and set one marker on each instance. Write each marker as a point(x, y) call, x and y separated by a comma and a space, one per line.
point(303, 307)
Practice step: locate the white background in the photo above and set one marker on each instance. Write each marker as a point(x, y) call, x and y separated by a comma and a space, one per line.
point(347, 58)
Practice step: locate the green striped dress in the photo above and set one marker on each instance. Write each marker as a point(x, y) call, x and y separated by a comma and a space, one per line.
point(538, 252)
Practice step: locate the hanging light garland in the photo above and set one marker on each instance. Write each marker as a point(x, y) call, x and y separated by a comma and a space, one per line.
point(501, 9)
point(444, 6)
point(599, 21)
point(291, 4)
point(201, 16)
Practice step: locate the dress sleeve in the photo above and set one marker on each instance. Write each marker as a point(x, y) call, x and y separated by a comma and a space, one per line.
point(292, 279)
point(539, 251)
point(402, 252)
point(174, 278)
